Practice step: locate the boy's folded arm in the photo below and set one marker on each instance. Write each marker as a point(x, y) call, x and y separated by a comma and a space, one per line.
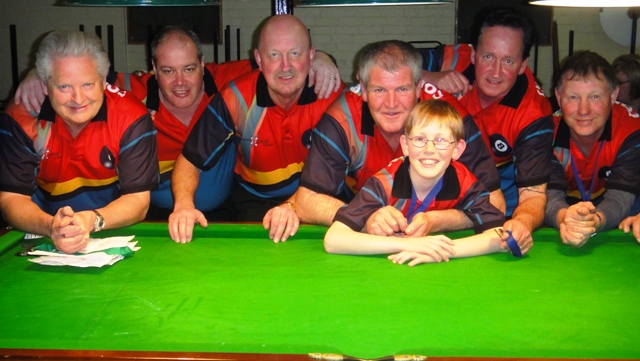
point(478, 244)
point(343, 240)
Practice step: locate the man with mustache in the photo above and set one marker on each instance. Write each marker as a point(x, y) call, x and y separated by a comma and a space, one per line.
point(269, 115)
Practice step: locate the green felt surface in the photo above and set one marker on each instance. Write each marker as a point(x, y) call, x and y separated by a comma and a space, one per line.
point(233, 290)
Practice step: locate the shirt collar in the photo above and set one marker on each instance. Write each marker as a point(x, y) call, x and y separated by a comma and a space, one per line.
point(367, 122)
point(49, 114)
point(516, 94)
point(264, 100)
point(563, 136)
point(402, 186)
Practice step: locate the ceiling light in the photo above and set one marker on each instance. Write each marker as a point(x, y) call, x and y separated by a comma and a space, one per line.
point(587, 3)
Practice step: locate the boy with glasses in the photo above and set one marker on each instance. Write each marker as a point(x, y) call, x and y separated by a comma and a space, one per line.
point(427, 178)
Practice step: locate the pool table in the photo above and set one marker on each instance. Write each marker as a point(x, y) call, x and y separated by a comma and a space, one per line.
point(232, 294)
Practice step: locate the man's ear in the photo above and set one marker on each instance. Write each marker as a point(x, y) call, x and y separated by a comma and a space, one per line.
point(256, 55)
point(614, 94)
point(461, 145)
point(473, 55)
point(363, 92)
point(404, 144)
point(523, 66)
point(153, 66)
point(312, 53)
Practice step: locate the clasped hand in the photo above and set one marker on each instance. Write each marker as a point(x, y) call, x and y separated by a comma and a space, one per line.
point(388, 221)
point(70, 230)
point(579, 224)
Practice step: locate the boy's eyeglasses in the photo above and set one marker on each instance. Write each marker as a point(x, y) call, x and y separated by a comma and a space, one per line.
point(438, 143)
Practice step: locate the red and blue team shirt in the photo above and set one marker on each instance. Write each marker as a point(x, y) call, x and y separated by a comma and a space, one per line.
point(272, 142)
point(612, 162)
point(347, 147)
point(392, 186)
point(114, 154)
point(172, 133)
point(518, 130)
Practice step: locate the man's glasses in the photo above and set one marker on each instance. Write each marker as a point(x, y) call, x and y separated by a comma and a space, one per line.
point(438, 143)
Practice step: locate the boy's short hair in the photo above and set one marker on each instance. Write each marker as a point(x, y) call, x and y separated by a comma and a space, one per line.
point(429, 111)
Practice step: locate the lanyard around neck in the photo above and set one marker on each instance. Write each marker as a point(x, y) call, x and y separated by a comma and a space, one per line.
point(414, 208)
point(586, 196)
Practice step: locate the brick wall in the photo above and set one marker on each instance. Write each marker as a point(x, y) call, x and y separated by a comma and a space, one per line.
point(341, 31)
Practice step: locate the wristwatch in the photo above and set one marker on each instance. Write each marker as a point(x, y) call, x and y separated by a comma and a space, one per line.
point(98, 225)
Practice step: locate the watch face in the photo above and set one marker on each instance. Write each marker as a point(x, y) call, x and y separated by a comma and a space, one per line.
point(99, 223)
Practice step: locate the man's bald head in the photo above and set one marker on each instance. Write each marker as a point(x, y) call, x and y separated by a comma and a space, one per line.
point(283, 22)
point(284, 56)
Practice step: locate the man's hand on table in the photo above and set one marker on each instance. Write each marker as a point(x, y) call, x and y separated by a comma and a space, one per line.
point(282, 222)
point(70, 230)
point(578, 224)
point(420, 225)
point(631, 223)
point(182, 221)
point(521, 234)
point(386, 221)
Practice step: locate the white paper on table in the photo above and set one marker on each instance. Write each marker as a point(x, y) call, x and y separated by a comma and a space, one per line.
point(100, 244)
point(96, 259)
point(88, 257)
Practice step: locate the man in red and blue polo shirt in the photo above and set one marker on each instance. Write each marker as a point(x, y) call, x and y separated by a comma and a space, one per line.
point(595, 178)
point(88, 161)
point(511, 110)
point(269, 115)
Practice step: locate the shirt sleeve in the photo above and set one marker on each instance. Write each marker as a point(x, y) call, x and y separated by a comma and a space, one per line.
point(533, 151)
point(138, 164)
point(371, 197)
point(475, 204)
point(557, 179)
point(624, 170)
point(213, 132)
point(227, 71)
point(18, 158)
point(326, 165)
point(476, 156)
